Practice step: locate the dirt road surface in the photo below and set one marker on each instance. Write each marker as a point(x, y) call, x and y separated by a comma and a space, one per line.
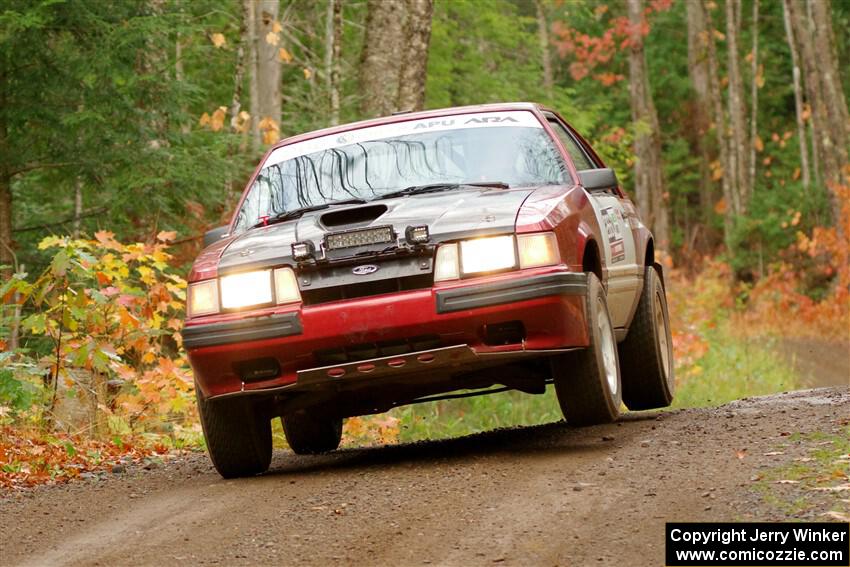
point(546, 495)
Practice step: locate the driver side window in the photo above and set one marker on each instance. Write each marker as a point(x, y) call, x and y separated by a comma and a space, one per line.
point(578, 156)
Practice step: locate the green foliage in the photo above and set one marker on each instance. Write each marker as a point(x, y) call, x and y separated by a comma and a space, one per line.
point(106, 311)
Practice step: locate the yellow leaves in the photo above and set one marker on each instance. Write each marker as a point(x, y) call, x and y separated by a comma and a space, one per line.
point(276, 27)
point(719, 36)
point(52, 242)
point(272, 38)
point(269, 129)
point(600, 10)
point(284, 56)
point(166, 236)
point(149, 357)
point(218, 40)
point(308, 74)
point(716, 170)
point(217, 118)
point(241, 122)
point(720, 207)
point(796, 175)
point(215, 122)
point(759, 144)
point(760, 77)
point(807, 112)
point(767, 161)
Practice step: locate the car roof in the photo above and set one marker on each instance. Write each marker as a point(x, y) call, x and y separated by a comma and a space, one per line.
point(404, 116)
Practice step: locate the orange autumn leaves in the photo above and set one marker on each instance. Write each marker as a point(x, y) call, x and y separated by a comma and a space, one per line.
point(113, 310)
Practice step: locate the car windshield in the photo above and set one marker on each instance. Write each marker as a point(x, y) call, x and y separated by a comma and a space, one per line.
point(510, 148)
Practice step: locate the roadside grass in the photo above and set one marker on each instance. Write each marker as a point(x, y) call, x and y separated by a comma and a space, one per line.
point(815, 483)
point(453, 418)
point(734, 366)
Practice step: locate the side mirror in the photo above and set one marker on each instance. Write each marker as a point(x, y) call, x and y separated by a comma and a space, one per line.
point(214, 235)
point(598, 179)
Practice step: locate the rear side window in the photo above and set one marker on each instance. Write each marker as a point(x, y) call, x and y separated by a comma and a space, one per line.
point(580, 159)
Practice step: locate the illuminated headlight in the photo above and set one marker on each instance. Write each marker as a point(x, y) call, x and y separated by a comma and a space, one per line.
point(286, 286)
point(246, 289)
point(416, 234)
point(494, 254)
point(487, 254)
point(540, 249)
point(203, 298)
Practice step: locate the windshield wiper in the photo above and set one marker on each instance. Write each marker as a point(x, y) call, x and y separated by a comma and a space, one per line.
point(296, 213)
point(433, 187)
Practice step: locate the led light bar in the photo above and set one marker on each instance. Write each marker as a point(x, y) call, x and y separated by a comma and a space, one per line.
point(363, 237)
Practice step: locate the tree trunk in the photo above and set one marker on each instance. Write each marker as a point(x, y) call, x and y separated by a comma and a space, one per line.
point(649, 178)
point(827, 154)
point(333, 54)
point(545, 48)
point(798, 98)
point(249, 7)
point(383, 49)
point(828, 69)
point(701, 116)
point(78, 206)
point(754, 97)
point(720, 127)
point(414, 69)
point(268, 68)
point(739, 150)
point(7, 245)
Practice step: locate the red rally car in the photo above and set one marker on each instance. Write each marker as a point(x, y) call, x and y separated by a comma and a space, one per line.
point(397, 260)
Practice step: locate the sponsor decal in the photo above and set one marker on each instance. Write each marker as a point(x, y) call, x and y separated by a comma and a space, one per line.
point(521, 118)
point(612, 221)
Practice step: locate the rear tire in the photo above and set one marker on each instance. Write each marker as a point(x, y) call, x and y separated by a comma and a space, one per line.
point(308, 434)
point(587, 381)
point(646, 356)
point(239, 442)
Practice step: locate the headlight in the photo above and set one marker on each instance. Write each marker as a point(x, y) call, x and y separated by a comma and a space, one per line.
point(446, 266)
point(495, 253)
point(487, 254)
point(245, 289)
point(536, 250)
point(203, 298)
point(286, 286)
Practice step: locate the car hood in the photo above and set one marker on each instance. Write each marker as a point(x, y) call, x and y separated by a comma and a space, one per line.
point(458, 213)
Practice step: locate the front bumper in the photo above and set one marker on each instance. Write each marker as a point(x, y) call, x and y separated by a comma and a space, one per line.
point(548, 302)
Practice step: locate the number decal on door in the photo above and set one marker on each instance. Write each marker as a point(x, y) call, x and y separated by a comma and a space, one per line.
point(612, 220)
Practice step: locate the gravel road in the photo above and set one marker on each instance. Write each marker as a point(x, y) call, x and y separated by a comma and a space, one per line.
point(546, 495)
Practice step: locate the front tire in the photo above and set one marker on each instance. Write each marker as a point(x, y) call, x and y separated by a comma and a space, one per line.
point(646, 356)
point(308, 434)
point(587, 381)
point(239, 441)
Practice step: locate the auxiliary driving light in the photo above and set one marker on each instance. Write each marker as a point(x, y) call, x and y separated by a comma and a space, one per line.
point(302, 251)
point(417, 234)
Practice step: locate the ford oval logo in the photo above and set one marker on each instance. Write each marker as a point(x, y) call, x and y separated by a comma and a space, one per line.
point(365, 270)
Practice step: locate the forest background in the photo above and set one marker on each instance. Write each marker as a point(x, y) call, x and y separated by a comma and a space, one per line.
point(128, 128)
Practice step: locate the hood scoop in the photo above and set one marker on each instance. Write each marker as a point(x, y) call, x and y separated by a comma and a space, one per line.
point(352, 217)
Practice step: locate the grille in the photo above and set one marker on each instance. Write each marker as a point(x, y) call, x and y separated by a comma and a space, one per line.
point(365, 289)
point(365, 351)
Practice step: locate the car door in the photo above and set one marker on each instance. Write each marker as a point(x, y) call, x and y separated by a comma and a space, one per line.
point(613, 211)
